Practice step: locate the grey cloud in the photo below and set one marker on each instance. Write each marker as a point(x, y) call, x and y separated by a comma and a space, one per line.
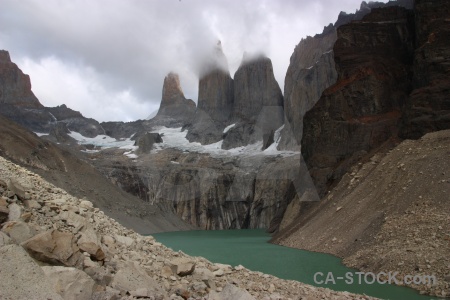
point(133, 44)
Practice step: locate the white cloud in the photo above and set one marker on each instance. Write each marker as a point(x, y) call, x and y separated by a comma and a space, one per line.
point(117, 52)
point(78, 87)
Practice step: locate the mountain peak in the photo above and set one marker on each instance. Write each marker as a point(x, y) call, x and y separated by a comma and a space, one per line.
point(4, 56)
point(171, 89)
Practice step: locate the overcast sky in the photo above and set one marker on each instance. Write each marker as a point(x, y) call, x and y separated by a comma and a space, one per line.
point(108, 58)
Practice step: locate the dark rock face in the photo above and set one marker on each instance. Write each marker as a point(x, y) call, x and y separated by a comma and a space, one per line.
point(428, 108)
point(60, 133)
point(255, 87)
point(175, 110)
point(310, 72)
point(19, 104)
point(362, 109)
point(215, 101)
point(147, 141)
point(121, 130)
point(212, 192)
point(15, 87)
point(258, 103)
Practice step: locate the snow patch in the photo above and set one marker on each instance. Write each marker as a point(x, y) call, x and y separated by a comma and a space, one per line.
point(39, 134)
point(105, 142)
point(175, 138)
point(228, 128)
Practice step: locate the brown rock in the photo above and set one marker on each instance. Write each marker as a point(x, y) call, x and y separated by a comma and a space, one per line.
point(130, 277)
point(15, 85)
point(21, 277)
point(90, 243)
point(18, 231)
point(70, 283)
point(182, 266)
point(4, 213)
point(175, 109)
point(18, 189)
point(54, 247)
point(362, 109)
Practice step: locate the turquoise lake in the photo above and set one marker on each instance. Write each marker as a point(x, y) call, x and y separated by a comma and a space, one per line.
point(251, 249)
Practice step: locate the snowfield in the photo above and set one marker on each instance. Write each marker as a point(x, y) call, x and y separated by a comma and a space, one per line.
point(175, 138)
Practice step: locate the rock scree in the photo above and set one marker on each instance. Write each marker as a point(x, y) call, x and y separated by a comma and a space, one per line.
point(77, 252)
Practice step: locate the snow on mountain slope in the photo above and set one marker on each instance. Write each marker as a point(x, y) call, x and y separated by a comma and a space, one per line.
point(104, 141)
point(176, 138)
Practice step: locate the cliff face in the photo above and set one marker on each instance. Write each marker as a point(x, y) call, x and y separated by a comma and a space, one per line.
point(175, 110)
point(310, 71)
point(258, 103)
point(361, 110)
point(19, 104)
point(210, 192)
point(428, 108)
point(15, 86)
point(215, 100)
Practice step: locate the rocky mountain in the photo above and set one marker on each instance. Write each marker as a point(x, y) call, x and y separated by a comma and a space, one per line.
point(428, 106)
point(64, 169)
point(392, 77)
point(175, 110)
point(211, 191)
point(19, 104)
point(15, 85)
point(391, 211)
point(362, 109)
point(377, 94)
point(312, 70)
point(258, 103)
point(215, 100)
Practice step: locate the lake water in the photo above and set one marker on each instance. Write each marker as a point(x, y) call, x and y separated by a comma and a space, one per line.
point(251, 249)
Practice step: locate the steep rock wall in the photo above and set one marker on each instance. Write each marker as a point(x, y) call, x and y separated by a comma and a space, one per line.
point(362, 109)
point(258, 103)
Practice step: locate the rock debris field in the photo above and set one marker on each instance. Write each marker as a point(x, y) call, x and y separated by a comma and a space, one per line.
point(56, 246)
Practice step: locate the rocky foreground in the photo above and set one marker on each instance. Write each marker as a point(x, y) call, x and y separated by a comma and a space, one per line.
point(390, 213)
point(56, 246)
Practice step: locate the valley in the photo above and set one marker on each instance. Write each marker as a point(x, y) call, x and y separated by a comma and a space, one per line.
point(350, 159)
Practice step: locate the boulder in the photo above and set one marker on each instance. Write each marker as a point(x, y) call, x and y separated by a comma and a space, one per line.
point(131, 277)
point(32, 204)
point(127, 241)
point(54, 247)
point(101, 275)
point(231, 292)
point(5, 239)
point(90, 243)
point(15, 211)
point(21, 277)
point(73, 219)
point(182, 266)
point(4, 213)
point(70, 283)
point(87, 205)
point(18, 231)
point(18, 189)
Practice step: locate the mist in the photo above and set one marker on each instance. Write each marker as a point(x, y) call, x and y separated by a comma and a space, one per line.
point(108, 59)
